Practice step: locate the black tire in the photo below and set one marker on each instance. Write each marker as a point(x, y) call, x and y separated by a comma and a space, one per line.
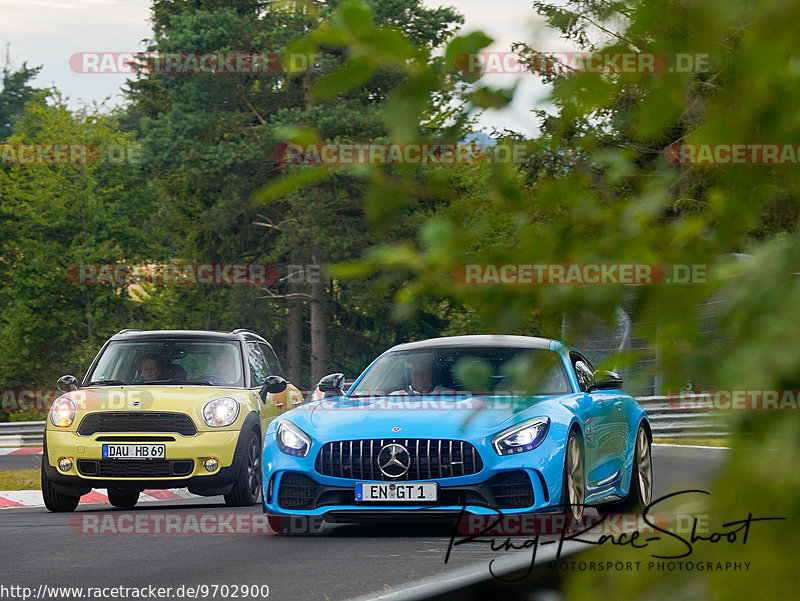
point(573, 484)
point(246, 490)
point(640, 490)
point(55, 501)
point(123, 498)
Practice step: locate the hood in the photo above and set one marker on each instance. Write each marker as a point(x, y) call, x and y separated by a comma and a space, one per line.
point(184, 399)
point(419, 416)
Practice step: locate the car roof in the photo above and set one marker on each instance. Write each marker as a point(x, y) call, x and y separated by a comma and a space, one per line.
point(479, 340)
point(240, 334)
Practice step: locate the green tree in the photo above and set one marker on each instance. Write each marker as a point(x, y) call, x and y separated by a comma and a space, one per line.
point(14, 94)
point(62, 216)
point(211, 142)
point(599, 188)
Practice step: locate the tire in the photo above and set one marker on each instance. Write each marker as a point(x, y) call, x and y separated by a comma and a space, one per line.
point(123, 498)
point(246, 490)
point(640, 490)
point(573, 484)
point(55, 501)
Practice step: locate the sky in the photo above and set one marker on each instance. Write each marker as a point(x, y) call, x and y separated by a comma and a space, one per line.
point(49, 32)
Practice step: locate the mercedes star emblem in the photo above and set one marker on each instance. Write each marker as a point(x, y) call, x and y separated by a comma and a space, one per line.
point(394, 460)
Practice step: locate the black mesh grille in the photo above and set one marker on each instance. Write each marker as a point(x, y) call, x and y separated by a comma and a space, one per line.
point(430, 458)
point(134, 468)
point(139, 421)
point(297, 492)
point(512, 489)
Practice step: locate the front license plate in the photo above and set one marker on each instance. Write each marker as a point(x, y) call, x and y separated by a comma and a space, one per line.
point(134, 451)
point(391, 492)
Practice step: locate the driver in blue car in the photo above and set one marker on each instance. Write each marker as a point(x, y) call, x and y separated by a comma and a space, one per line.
point(420, 372)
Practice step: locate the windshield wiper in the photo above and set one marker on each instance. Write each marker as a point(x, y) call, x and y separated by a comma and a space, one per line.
point(107, 383)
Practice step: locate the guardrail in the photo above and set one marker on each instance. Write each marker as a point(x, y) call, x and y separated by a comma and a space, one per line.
point(21, 434)
point(667, 419)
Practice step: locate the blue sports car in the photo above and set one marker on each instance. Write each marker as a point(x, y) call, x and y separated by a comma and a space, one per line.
point(510, 423)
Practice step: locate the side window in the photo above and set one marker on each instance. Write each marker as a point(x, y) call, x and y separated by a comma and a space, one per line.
point(258, 366)
point(583, 371)
point(274, 365)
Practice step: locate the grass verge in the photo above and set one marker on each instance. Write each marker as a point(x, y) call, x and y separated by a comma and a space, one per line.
point(21, 480)
point(701, 442)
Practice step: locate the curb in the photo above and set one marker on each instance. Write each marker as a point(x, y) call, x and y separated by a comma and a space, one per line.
point(33, 498)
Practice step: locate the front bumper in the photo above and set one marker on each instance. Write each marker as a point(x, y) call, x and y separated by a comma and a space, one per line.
point(182, 467)
point(512, 484)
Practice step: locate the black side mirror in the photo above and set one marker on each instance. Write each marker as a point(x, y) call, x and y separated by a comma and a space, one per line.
point(332, 383)
point(273, 385)
point(606, 380)
point(67, 383)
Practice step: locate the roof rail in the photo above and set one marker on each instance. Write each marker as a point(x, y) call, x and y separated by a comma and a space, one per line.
point(250, 332)
point(129, 330)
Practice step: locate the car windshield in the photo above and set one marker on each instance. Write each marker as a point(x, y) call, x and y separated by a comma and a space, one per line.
point(169, 361)
point(465, 370)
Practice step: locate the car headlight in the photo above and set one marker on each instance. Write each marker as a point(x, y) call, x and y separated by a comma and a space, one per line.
point(292, 440)
point(521, 437)
point(62, 412)
point(220, 412)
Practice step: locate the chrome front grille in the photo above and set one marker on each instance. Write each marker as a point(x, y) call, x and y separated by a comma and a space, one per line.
point(431, 458)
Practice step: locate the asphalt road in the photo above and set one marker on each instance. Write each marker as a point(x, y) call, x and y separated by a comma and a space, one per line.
point(20, 462)
point(341, 562)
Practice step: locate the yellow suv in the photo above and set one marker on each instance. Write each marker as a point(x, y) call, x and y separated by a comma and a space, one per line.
point(165, 409)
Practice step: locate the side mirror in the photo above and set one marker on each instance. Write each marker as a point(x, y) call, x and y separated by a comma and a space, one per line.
point(332, 383)
point(67, 383)
point(606, 380)
point(273, 385)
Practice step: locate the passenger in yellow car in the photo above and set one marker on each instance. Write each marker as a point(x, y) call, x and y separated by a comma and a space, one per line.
point(224, 365)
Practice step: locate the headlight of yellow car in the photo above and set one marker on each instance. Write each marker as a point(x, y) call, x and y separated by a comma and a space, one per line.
point(62, 413)
point(220, 412)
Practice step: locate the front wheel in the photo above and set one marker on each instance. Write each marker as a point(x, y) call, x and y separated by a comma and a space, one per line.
point(56, 501)
point(123, 498)
point(573, 488)
point(640, 491)
point(246, 490)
